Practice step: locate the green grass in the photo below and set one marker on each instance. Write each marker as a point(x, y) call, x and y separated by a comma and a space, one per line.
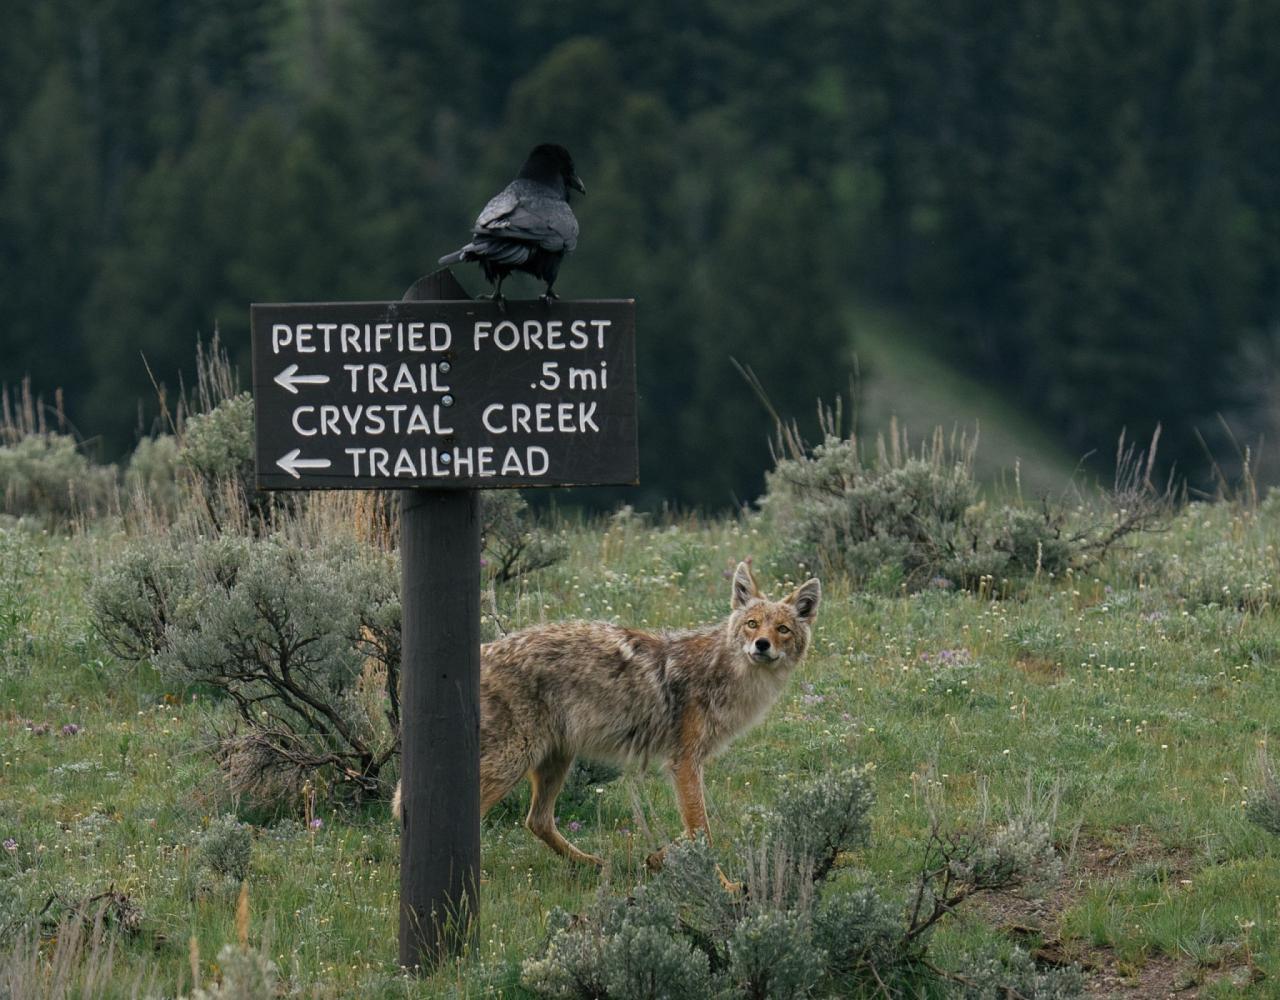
point(1135, 697)
point(902, 378)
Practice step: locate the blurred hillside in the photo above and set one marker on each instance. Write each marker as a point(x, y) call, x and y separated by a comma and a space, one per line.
point(900, 383)
point(1077, 202)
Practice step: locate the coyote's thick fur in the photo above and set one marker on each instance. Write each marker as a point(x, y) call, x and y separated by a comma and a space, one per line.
point(553, 692)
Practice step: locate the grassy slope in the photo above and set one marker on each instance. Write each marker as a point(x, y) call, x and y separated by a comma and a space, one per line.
point(901, 377)
point(1136, 698)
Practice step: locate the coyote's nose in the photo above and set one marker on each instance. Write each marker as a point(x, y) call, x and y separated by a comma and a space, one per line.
point(762, 645)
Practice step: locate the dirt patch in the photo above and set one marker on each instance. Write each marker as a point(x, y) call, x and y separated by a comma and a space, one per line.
point(1158, 976)
point(1094, 859)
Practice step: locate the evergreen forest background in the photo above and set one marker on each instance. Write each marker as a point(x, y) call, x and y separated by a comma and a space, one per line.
point(1075, 202)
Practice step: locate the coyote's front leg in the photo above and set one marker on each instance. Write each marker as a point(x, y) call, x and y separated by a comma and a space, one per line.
point(691, 797)
point(686, 773)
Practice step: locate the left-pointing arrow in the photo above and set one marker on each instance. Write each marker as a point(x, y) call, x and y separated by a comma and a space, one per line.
point(291, 463)
point(290, 379)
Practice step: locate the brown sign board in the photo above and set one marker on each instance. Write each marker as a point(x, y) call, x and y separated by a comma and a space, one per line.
point(444, 394)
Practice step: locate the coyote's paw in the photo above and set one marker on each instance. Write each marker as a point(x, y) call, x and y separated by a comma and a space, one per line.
point(655, 861)
point(733, 888)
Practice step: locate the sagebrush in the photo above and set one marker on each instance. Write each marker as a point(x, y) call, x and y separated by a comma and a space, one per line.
point(806, 921)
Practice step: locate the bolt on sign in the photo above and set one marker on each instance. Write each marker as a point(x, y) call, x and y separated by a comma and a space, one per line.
point(445, 394)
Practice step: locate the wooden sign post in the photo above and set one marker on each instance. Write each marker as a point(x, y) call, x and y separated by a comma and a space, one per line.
point(440, 396)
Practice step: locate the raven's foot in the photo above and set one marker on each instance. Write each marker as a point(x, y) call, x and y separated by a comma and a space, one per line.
point(549, 297)
point(499, 300)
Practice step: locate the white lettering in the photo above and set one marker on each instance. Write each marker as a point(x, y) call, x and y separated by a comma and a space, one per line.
point(511, 464)
point(404, 380)
point(484, 419)
point(508, 327)
point(583, 378)
point(298, 411)
point(404, 464)
point(418, 422)
point(281, 336)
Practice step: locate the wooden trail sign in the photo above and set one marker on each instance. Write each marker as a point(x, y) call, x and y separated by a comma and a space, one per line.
point(439, 396)
point(447, 394)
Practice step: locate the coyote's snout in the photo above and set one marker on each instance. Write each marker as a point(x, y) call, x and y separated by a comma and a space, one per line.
point(551, 693)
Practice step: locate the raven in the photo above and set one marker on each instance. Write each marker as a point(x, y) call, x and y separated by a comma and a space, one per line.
point(529, 225)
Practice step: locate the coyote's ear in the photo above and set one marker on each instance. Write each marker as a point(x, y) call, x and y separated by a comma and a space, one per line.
point(806, 598)
point(744, 587)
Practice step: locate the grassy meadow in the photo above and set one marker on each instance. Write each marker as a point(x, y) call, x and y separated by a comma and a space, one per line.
point(1130, 704)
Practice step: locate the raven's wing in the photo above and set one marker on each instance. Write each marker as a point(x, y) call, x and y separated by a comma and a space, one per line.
point(525, 213)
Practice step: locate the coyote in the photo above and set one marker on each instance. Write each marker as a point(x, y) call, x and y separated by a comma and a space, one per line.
point(550, 693)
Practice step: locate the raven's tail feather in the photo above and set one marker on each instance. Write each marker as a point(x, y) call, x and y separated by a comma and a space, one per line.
point(454, 258)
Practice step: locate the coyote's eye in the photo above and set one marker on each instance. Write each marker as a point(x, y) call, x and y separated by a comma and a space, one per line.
point(752, 623)
point(783, 630)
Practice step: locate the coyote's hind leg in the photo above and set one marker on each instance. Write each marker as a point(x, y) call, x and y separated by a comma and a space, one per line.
point(546, 779)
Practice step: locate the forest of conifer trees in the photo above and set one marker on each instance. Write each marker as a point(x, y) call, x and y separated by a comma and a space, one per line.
point(1078, 199)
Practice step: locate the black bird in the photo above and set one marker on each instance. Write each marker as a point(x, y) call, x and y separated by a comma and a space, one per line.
point(529, 226)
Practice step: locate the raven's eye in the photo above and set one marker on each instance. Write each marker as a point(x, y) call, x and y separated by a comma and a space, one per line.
point(752, 623)
point(783, 630)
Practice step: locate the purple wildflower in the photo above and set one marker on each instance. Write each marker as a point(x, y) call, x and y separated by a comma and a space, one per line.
point(10, 844)
point(70, 729)
point(317, 824)
point(575, 826)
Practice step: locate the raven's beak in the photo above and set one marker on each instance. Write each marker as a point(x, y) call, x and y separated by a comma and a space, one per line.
point(575, 182)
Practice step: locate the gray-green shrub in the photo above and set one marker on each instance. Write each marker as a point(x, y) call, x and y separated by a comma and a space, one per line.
point(992, 976)
point(135, 597)
point(216, 451)
point(772, 955)
point(217, 446)
point(914, 521)
point(244, 974)
point(917, 520)
point(512, 545)
point(225, 848)
point(303, 640)
point(803, 927)
point(46, 475)
point(153, 473)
